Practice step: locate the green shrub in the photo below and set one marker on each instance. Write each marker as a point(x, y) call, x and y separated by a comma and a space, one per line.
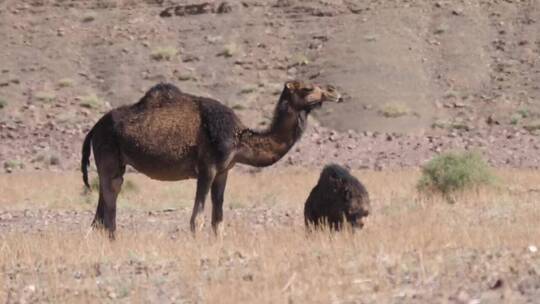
point(451, 172)
point(164, 53)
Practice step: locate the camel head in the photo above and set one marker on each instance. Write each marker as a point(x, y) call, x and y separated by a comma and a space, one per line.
point(357, 206)
point(306, 97)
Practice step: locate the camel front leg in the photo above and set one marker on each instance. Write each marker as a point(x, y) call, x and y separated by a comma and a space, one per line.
point(204, 182)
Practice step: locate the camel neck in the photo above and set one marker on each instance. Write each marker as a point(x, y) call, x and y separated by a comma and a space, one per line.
point(264, 148)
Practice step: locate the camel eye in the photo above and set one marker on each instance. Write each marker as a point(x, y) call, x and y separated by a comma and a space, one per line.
point(305, 91)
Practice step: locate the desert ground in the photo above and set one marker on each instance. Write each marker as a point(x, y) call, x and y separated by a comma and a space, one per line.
point(413, 249)
point(419, 78)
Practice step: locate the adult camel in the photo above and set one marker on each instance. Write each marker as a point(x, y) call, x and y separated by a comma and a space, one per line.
point(171, 135)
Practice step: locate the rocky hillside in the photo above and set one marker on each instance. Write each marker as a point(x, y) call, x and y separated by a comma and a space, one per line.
point(418, 75)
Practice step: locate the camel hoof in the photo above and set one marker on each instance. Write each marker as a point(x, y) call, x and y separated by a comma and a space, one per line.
point(197, 224)
point(218, 231)
point(87, 234)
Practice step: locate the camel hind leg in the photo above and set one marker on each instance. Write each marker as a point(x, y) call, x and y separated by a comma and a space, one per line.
point(218, 189)
point(204, 182)
point(111, 171)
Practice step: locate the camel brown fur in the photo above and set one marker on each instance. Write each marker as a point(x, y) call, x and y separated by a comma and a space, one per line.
point(337, 197)
point(171, 135)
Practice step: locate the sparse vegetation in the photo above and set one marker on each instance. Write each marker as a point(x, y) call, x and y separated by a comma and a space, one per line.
point(440, 124)
point(371, 38)
point(91, 101)
point(48, 158)
point(164, 53)
point(442, 28)
point(10, 165)
point(235, 205)
point(451, 94)
point(229, 50)
point(532, 127)
point(45, 96)
point(514, 119)
point(3, 103)
point(460, 126)
point(238, 107)
point(524, 113)
point(88, 18)
point(394, 109)
point(128, 186)
point(65, 82)
point(452, 172)
point(248, 90)
point(300, 59)
point(185, 77)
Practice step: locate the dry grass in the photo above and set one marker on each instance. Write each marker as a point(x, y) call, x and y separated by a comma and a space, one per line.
point(410, 243)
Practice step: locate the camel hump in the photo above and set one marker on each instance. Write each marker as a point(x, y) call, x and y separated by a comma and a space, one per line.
point(160, 94)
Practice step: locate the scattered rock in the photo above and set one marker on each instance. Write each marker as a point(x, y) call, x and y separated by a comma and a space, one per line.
point(197, 9)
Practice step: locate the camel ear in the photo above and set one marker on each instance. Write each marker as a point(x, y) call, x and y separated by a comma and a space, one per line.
point(292, 85)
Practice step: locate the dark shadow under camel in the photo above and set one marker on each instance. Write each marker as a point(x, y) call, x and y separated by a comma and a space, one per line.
point(172, 135)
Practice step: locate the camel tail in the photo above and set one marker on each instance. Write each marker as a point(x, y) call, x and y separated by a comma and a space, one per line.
point(85, 161)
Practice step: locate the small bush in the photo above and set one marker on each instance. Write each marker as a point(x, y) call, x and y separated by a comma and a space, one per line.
point(392, 110)
point(300, 59)
point(3, 103)
point(524, 113)
point(91, 101)
point(248, 90)
point(229, 50)
point(11, 165)
point(164, 53)
point(514, 119)
point(532, 127)
point(45, 96)
point(65, 82)
point(451, 172)
point(88, 18)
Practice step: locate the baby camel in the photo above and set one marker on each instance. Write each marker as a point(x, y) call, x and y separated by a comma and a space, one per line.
point(337, 197)
point(171, 135)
